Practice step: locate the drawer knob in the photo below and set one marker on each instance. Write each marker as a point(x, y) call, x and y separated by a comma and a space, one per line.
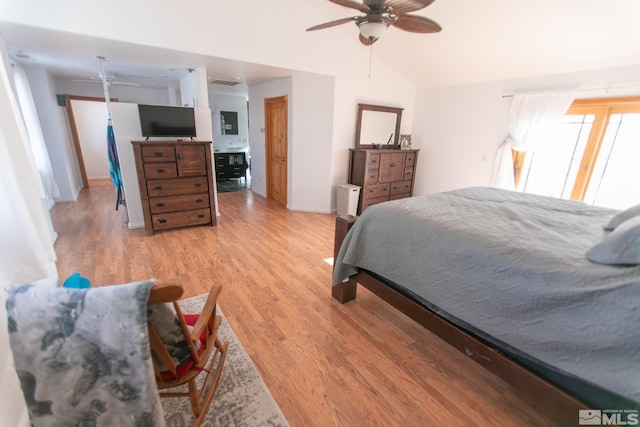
point(199, 200)
point(160, 170)
point(201, 216)
point(162, 221)
point(371, 191)
point(160, 205)
point(158, 187)
point(157, 153)
point(197, 184)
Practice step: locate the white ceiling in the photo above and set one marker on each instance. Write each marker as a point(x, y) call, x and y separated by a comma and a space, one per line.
point(73, 57)
point(480, 41)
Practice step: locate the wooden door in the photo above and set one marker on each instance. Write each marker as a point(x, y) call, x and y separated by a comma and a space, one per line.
point(275, 111)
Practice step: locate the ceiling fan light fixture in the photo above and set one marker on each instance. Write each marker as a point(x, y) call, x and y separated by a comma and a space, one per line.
point(373, 29)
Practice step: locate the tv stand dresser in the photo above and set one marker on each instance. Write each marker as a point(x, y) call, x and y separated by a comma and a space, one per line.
point(176, 183)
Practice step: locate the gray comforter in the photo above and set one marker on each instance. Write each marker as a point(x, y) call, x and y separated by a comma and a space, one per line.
point(513, 266)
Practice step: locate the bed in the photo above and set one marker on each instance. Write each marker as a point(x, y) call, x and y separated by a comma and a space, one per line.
point(505, 278)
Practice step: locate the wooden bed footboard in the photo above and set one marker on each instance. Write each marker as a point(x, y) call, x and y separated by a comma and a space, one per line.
point(554, 402)
point(345, 291)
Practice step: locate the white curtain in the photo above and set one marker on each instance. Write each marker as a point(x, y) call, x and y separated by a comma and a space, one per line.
point(533, 117)
point(26, 250)
point(36, 139)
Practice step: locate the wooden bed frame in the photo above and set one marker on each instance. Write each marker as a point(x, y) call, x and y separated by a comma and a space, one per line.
point(554, 402)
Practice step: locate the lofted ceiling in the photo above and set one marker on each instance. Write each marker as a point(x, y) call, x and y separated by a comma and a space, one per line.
point(73, 57)
point(480, 41)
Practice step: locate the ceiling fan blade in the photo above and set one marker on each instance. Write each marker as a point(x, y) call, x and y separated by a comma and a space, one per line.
point(406, 6)
point(332, 23)
point(366, 41)
point(416, 24)
point(86, 81)
point(352, 4)
point(123, 83)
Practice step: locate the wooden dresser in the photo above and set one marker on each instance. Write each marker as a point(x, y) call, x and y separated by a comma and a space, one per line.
point(176, 183)
point(382, 174)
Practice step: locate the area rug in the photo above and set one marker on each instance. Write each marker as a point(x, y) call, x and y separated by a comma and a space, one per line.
point(242, 398)
point(233, 185)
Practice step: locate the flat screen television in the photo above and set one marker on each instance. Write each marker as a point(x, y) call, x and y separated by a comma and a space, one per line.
point(162, 120)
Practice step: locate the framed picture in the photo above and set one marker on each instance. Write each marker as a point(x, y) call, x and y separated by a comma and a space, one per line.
point(229, 122)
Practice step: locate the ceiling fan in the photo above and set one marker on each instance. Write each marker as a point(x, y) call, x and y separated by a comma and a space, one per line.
point(380, 14)
point(112, 79)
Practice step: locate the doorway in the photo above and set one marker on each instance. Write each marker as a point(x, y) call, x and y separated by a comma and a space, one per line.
point(88, 121)
point(275, 111)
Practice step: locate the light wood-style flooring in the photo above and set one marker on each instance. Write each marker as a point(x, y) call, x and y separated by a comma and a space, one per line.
point(326, 364)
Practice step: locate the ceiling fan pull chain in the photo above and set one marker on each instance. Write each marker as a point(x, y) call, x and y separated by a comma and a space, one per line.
point(370, 57)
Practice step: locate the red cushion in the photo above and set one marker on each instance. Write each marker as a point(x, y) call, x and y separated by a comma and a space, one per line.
point(184, 367)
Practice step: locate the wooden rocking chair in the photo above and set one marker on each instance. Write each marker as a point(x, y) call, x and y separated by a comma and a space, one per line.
point(198, 334)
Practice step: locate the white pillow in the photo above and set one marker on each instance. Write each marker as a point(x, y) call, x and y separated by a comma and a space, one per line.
point(623, 216)
point(620, 247)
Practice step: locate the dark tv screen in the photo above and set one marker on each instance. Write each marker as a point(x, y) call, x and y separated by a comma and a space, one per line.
point(161, 120)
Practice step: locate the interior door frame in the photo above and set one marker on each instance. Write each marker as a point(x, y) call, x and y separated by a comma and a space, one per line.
point(268, 131)
point(74, 132)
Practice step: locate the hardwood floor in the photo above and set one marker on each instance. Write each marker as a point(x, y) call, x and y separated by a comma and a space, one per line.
point(326, 364)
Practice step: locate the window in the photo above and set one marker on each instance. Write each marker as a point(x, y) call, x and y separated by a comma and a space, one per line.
point(593, 158)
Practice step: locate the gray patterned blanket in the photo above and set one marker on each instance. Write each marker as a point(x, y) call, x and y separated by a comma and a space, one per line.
point(82, 355)
point(512, 266)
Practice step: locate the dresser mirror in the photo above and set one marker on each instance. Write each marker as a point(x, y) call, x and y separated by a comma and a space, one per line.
point(378, 127)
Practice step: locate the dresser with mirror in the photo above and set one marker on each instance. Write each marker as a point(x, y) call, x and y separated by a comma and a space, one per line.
point(377, 164)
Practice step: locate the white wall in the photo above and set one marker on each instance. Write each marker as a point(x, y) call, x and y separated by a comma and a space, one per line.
point(126, 128)
point(55, 129)
point(219, 102)
point(140, 95)
point(311, 149)
point(458, 129)
point(91, 124)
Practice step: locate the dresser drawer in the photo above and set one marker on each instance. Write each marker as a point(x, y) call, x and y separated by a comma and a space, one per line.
point(408, 174)
point(369, 202)
point(160, 170)
point(400, 187)
point(410, 159)
point(176, 187)
point(158, 154)
point(375, 191)
point(374, 161)
point(399, 196)
point(235, 172)
point(166, 221)
point(371, 176)
point(178, 203)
